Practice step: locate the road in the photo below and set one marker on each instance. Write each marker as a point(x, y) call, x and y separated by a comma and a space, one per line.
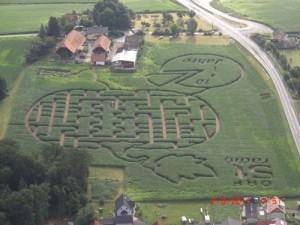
point(241, 34)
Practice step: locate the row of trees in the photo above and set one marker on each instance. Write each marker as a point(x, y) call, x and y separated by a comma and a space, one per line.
point(32, 190)
point(175, 27)
point(291, 75)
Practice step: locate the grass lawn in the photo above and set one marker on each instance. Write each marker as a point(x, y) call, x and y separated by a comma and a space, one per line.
point(277, 13)
point(293, 57)
point(150, 212)
point(11, 56)
point(188, 124)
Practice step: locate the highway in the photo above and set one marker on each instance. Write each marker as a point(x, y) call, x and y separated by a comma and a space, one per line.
point(241, 33)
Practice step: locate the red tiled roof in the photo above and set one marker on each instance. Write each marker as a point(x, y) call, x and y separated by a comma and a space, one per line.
point(158, 222)
point(98, 57)
point(102, 42)
point(275, 221)
point(96, 223)
point(74, 18)
point(275, 204)
point(73, 41)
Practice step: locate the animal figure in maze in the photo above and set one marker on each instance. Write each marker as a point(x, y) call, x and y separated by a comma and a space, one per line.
point(133, 124)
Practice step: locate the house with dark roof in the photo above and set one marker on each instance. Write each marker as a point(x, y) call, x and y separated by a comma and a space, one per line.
point(95, 32)
point(124, 210)
point(275, 208)
point(249, 212)
point(230, 221)
point(71, 44)
point(101, 45)
point(132, 42)
point(279, 35)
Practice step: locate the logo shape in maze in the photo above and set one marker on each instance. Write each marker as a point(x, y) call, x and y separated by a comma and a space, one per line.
point(148, 119)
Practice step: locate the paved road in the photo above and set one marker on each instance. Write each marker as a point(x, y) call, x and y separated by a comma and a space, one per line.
point(206, 12)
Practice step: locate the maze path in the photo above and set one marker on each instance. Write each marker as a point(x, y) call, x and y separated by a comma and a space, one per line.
point(83, 118)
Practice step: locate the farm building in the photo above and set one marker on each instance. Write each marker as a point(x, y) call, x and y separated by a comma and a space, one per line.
point(275, 208)
point(124, 60)
point(250, 212)
point(132, 42)
point(71, 44)
point(98, 59)
point(95, 32)
point(101, 45)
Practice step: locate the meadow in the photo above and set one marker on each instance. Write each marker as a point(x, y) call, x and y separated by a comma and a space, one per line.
point(28, 18)
point(11, 57)
point(278, 14)
point(189, 124)
point(37, 12)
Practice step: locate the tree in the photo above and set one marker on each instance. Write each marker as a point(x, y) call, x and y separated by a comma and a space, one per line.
point(85, 216)
point(53, 27)
point(167, 17)
point(175, 29)
point(191, 13)
point(180, 14)
point(192, 25)
point(42, 32)
point(113, 14)
point(3, 88)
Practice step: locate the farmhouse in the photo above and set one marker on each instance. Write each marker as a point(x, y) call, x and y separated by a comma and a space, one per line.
point(95, 32)
point(71, 44)
point(275, 208)
point(276, 221)
point(124, 60)
point(101, 45)
point(124, 212)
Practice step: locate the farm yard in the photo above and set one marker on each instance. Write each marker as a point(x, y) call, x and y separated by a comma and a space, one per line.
point(192, 119)
point(278, 14)
point(37, 12)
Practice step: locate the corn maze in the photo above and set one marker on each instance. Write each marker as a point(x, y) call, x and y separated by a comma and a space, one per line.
point(168, 118)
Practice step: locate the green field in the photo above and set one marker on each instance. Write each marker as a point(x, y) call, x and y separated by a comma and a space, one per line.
point(20, 16)
point(11, 57)
point(279, 14)
point(28, 18)
point(189, 124)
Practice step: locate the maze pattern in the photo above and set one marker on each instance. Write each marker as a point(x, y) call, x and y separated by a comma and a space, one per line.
point(85, 118)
